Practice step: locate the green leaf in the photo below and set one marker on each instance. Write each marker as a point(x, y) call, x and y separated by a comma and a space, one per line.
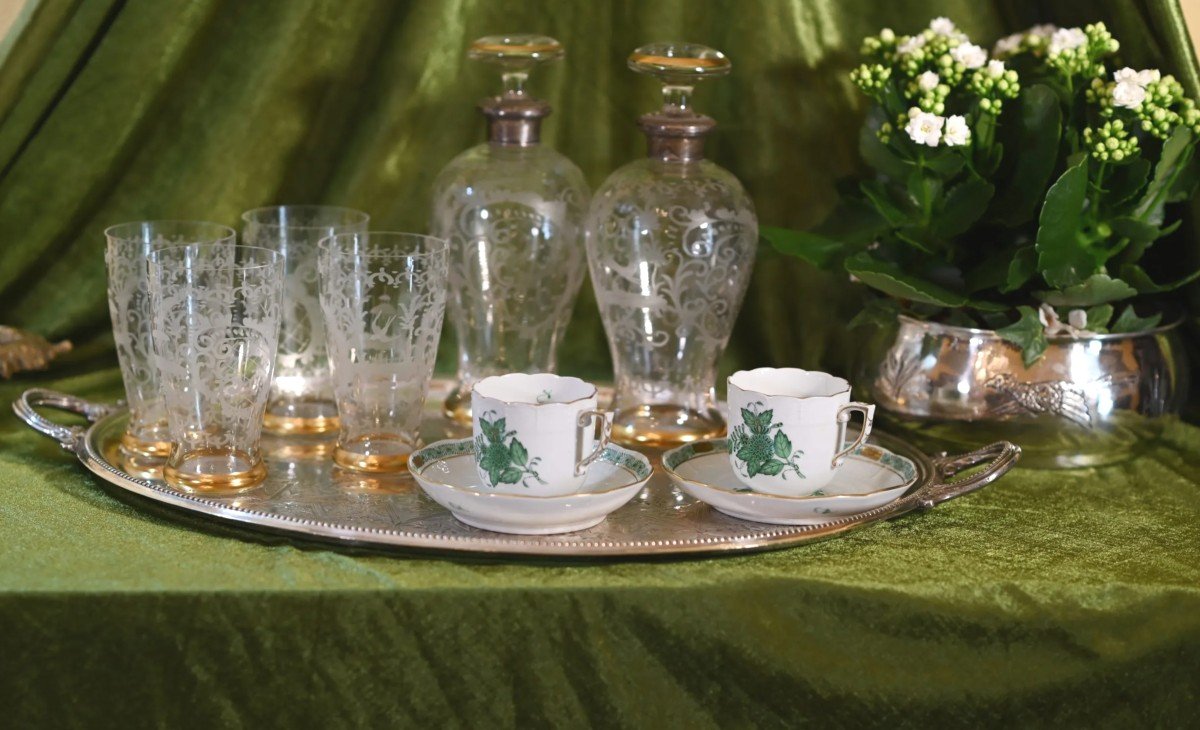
point(1096, 289)
point(879, 197)
point(1098, 318)
point(494, 474)
point(853, 221)
point(1126, 181)
point(1130, 322)
point(918, 239)
point(511, 475)
point(1134, 229)
point(1137, 247)
point(888, 278)
point(488, 428)
point(1185, 183)
point(964, 204)
point(1026, 333)
point(921, 188)
point(1176, 150)
point(748, 416)
point(782, 446)
point(1141, 281)
point(1063, 257)
point(811, 247)
point(874, 152)
point(946, 163)
point(878, 311)
point(519, 455)
point(1038, 138)
point(772, 468)
point(500, 424)
point(751, 467)
point(1020, 269)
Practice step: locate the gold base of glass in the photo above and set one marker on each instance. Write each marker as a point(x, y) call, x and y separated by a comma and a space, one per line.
point(665, 426)
point(207, 471)
point(298, 451)
point(457, 406)
point(299, 425)
point(133, 446)
point(375, 453)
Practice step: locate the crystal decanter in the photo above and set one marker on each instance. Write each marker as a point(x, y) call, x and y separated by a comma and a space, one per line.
point(512, 210)
point(671, 241)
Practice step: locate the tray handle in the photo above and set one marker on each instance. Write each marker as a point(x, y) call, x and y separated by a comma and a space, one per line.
point(998, 459)
point(67, 436)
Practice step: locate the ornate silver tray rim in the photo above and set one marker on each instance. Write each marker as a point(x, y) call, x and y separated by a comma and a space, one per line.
point(937, 481)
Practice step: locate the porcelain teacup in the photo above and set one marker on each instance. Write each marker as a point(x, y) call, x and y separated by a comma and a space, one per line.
point(536, 434)
point(787, 429)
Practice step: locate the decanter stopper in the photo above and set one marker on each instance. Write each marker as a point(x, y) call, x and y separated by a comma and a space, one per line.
point(676, 132)
point(514, 117)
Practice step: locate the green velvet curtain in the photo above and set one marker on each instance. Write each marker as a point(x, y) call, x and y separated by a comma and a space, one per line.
point(123, 109)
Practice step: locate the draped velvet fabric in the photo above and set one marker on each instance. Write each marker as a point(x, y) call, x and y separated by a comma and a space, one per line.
point(1048, 598)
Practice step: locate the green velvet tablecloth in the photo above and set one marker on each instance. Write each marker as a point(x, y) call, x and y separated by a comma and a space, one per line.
point(1049, 598)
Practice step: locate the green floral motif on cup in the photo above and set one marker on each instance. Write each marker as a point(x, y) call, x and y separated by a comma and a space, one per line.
point(501, 455)
point(761, 447)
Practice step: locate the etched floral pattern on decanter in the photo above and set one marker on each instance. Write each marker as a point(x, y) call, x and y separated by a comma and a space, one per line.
point(512, 212)
point(671, 243)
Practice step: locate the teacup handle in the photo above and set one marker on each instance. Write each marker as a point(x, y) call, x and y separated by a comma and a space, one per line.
point(843, 417)
point(586, 422)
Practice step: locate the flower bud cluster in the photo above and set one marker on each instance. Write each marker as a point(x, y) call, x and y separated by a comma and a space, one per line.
point(992, 84)
point(1155, 103)
point(871, 78)
point(1110, 142)
point(929, 92)
point(1075, 52)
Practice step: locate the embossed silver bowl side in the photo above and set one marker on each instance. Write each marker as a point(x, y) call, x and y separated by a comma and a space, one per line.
point(1085, 402)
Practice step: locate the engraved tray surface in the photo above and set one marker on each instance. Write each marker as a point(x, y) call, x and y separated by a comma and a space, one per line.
point(306, 497)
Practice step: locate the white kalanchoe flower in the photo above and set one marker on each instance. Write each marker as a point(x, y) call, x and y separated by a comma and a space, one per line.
point(995, 68)
point(969, 55)
point(1126, 74)
point(924, 128)
point(1045, 30)
point(1128, 94)
point(1008, 44)
point(1077, 318)
point(911, 44)
point(957, 132)
point(1053, 326)
point(1148, 76)
point(943, 26)
point(1066, 39)
point(928, 81)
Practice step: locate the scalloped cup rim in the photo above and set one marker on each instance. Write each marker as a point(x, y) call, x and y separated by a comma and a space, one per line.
point(495, 379)
point(841, 383)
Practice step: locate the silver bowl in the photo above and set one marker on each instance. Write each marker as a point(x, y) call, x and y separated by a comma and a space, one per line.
point(1088, 401)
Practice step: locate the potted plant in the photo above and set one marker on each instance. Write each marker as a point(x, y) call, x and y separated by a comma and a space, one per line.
point(1002, 232)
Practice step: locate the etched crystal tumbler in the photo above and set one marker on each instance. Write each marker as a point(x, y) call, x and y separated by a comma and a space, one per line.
point(146, 444)
point(216, 327)
point(383, 296)
point(301, 393)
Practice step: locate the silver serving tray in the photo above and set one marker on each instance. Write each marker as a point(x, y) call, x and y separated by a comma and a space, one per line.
point(304, 498)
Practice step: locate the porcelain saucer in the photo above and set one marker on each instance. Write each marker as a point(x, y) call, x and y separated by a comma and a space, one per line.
point(870, 478)
point(446, 472)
